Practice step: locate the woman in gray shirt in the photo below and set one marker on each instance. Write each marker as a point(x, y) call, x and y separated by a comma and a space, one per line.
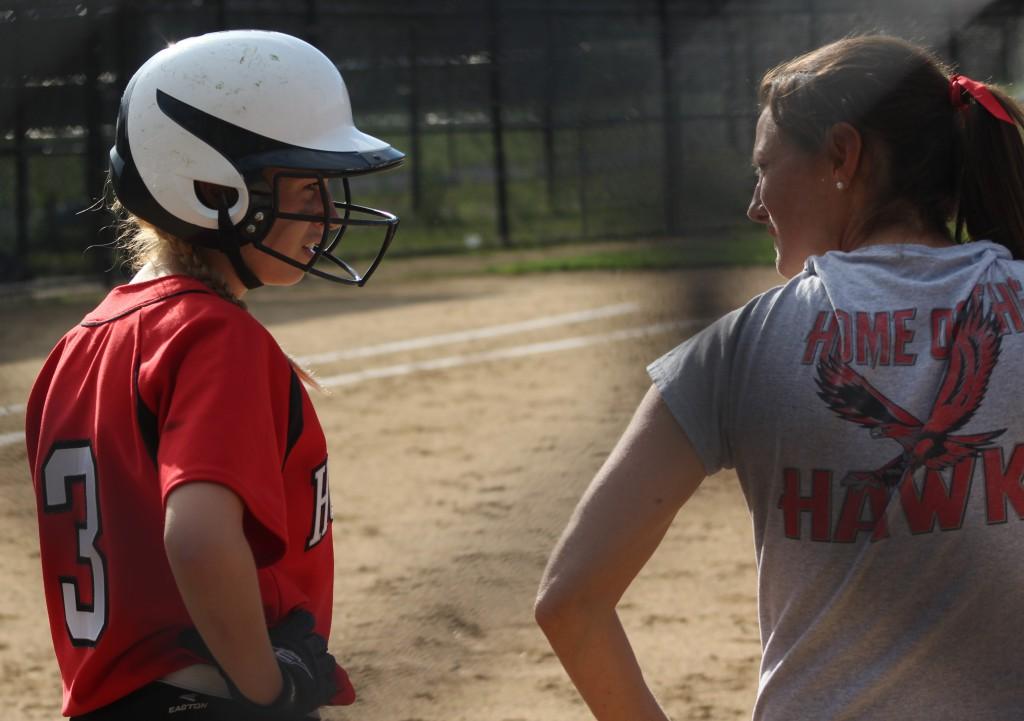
point(870, 407)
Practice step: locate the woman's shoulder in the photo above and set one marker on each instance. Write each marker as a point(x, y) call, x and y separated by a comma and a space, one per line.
point(801, 290)
point(773, 311)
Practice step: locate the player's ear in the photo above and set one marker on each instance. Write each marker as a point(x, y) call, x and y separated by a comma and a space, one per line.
point(215, 196)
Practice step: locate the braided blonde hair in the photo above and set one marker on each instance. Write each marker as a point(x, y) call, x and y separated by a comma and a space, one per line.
point(141, 243)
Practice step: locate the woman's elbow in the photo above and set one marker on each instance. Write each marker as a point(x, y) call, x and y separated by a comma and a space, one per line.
point(559, 608)
point(547, 611)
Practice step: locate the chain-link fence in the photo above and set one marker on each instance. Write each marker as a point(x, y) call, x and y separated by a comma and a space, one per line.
point(525, 122)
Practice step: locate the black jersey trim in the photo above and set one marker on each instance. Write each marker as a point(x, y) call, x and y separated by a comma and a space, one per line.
point(146, 420)
point(143, 304)
point(295, 420)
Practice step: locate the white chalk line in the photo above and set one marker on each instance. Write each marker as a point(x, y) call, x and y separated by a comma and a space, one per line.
point(493, 331)
point(455, 361)
point(441, 339)
point(429, 341)
point(9, 439)
point(12, 410)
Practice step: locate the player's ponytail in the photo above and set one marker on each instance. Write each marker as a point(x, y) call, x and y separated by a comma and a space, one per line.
point(991, 157)
point(189, 261)
point(141, 243)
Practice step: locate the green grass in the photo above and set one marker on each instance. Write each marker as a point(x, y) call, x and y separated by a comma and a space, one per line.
point(734, 249)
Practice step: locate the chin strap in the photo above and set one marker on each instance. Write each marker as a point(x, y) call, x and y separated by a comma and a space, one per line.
point(229, 244)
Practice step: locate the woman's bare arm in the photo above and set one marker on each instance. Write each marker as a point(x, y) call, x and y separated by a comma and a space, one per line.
point(617, 525)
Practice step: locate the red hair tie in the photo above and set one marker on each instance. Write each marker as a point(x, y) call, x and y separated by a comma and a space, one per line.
point(959, 83)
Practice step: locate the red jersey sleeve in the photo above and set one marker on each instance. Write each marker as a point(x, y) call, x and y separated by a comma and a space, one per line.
point(218, 387)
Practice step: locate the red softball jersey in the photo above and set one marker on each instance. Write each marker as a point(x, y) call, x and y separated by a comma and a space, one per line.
point(167, 383)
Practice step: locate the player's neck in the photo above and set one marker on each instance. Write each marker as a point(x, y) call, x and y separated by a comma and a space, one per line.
point(151, 270)
point(154, 269)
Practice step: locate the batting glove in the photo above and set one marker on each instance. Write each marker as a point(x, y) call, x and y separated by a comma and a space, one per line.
point(309, 673)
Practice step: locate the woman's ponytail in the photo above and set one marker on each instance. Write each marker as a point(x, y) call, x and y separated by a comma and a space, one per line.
point(991, 185)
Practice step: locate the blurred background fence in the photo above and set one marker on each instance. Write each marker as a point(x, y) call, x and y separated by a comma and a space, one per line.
point(526, 122)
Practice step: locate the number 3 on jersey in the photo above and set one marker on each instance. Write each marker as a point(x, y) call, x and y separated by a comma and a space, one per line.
point(73, 463)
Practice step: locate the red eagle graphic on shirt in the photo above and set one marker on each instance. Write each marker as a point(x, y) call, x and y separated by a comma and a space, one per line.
point(931, 443)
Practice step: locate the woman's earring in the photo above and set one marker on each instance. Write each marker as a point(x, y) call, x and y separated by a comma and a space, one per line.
point(840, 185)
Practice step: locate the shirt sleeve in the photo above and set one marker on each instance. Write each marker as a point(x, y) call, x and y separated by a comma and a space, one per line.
point(222, 410)
point(694, 380)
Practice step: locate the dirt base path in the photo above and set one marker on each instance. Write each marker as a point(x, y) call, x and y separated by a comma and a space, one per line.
point(457, 454)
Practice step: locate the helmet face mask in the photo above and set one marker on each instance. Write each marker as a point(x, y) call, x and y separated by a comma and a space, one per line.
point(334, 216)
point(247, 110)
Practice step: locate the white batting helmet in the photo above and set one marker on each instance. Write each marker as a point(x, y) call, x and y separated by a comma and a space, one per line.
point(221, 108)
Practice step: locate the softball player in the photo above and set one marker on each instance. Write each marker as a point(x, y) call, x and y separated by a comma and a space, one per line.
point(871, 408)
point(180, 470)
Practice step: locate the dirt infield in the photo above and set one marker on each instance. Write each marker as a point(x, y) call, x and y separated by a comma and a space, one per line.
point(457, 454)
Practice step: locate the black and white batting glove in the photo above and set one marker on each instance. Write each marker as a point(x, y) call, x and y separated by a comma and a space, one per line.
point(307, 669)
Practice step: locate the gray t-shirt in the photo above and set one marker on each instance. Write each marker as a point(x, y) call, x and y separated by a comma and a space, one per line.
point(875, 419)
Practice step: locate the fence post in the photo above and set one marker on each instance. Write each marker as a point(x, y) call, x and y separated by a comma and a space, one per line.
point(582, 171)
point(735, 90)
point(222, 14)
point(312, 23)
point(669, 121)
point(547, 111)
point(95, 153)
point(813, 24)
point(497, 131)
point(954, 41)
point(415, 131)
point(1008, 26)
point(21, 170)
point(450, 127)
